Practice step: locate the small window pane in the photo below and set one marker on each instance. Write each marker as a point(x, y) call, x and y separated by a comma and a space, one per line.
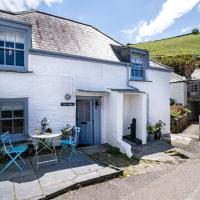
point(10, 38)
point(2, 38)
point(19, 58)
point(18, 113)
point(87, 116)
point(20, 38)
point(7, 126)
point(19, 46)
point(18, 126)
point(6, 114)
point(1, 56)
point(1, 43)
point(9, 57)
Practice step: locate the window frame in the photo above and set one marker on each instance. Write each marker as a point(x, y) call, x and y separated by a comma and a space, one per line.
point(137, 67)
point(145, 64)
point(17, 136)
point(17, 27)
point(195, 89)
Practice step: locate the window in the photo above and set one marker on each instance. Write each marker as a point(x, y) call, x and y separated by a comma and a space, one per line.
point(13, 117)
point(193, 87)
point(12, 49)
point(137, 68)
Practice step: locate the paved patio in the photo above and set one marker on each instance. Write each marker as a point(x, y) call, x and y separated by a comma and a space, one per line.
point(51, 179)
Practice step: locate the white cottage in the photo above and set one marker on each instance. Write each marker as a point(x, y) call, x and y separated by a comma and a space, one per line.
point(72, 73)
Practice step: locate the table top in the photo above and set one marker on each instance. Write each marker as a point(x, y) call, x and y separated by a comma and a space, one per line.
point(46, 135)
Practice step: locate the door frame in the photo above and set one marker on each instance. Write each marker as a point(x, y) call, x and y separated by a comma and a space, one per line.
point(92, 98)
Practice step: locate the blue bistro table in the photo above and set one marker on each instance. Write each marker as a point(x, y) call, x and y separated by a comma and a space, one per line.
point(45, 141)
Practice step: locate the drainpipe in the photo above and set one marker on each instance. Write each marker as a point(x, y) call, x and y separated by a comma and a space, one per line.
point(128, 71)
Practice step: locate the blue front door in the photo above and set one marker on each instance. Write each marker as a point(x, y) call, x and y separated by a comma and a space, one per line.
point(88, 119)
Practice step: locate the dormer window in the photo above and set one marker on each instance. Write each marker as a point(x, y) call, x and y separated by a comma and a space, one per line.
point(137, 69)
point(139, 63)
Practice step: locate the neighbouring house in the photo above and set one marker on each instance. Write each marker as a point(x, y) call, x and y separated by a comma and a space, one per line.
point(194, 93)
point(178, 89)
point(187, 92)
point(72, 73)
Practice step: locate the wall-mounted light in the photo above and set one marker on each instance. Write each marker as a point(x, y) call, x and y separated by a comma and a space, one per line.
point(68, 96)
point(97, 103)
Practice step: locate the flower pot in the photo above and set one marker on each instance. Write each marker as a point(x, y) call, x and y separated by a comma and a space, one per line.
point(157, 135)
point(151, 137)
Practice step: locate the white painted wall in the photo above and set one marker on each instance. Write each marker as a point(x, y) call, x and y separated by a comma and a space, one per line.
point(178, 92)
point(114, 122)
point(53, 77)
point(135, 107)
point(44, 95)
point(158, 91)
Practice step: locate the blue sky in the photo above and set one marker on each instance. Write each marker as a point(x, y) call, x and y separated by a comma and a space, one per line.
point(128, 21)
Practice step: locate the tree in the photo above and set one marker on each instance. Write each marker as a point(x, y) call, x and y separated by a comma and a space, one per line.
point(195, 31)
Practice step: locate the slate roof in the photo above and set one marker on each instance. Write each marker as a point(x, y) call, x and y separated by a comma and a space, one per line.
point(157, 65)
point(196, 74)
point(60, 35)
point(57, 34)
point(176, 78)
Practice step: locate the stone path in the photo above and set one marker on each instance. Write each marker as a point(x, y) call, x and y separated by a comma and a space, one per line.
point(191, 131)
point(51, 179)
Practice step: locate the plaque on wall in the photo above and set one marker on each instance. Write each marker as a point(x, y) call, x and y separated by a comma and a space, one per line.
point(67, 104)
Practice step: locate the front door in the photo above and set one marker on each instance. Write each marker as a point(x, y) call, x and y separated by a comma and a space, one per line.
point(88, 119)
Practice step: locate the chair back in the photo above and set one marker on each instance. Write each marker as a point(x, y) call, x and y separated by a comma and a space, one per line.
point(76, 134)
point(5, 138)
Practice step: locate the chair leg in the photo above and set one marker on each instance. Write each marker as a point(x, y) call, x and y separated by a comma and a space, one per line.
point(73, 151)
point(13, 160)
point(60, 151)
point(22, 160)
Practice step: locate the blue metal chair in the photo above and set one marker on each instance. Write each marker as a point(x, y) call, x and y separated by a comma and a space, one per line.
point(71, 142)
point(14, 152)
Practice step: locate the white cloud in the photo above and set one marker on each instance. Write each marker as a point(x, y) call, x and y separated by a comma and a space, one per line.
point(185, 30)
point(170, 11)
point(18, 5)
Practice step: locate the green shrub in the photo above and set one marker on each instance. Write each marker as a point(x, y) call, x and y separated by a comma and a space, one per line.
point(175, 114)
point(195, 31)
point(180, 63)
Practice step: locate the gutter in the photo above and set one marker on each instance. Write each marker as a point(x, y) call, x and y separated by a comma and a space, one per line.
point(72, 56)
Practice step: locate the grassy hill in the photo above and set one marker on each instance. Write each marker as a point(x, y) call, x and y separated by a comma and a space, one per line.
point(180, 45)
point(176, 52)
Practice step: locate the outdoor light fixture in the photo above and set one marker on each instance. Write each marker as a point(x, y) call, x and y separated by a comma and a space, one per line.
point(68, 96)
point(97, 103)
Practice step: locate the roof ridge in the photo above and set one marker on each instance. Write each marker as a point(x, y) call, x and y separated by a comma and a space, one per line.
point(64, 18)
point(7, 11)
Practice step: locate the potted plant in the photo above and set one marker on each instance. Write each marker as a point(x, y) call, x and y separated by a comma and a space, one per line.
point(151, 132)
point(48, 130)
point(65, 132)
point(44, 124)
point(158, 129)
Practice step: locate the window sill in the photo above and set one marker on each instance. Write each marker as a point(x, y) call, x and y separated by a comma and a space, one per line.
point(15, 71)
point(140, 80)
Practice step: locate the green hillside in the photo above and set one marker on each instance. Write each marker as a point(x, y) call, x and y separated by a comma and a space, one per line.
point(186, 44)
point(177, 52)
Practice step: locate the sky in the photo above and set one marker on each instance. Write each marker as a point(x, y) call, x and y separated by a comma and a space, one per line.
point(127, 21)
